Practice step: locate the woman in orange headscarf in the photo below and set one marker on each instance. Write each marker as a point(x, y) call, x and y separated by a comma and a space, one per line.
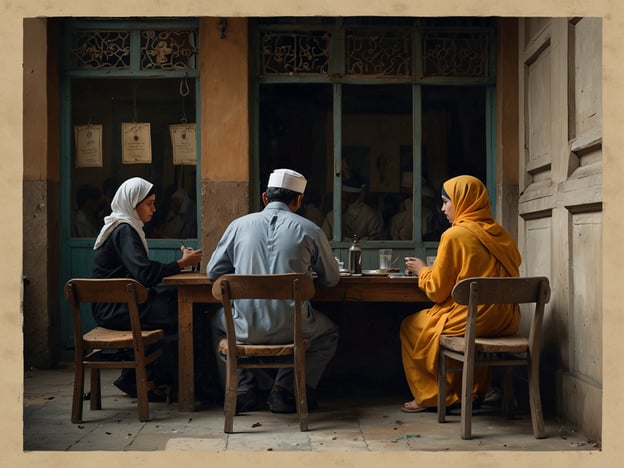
point(474, 245)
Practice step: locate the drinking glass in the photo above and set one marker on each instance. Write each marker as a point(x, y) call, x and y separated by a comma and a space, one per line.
point(385, 259)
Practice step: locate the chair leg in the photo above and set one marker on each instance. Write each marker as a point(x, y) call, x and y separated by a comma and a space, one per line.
point(466, 399)
point(76, 416)
point(441, 388)
point(508, 392)
point(229, 404)
point(95, 395)
point(229, 409)
point(300, 392)
point(142, 400)
point(537, 416)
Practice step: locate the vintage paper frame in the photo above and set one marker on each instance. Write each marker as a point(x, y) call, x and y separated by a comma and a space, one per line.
point(88, 141)
point(136, 143)
point(184, 143)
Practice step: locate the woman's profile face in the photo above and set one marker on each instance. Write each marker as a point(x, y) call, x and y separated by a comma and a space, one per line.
point(147, 208)
point(448, 209)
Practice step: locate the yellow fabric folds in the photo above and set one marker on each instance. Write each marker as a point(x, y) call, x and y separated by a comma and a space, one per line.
point(474, 245)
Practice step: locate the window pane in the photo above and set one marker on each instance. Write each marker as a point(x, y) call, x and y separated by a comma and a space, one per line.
point(100, 49)
point(293, 52)
point(107, 103)
point(377, 153)
point(296, 133)
point(376, 158)
point(378, 52)
point(168, 50)
point(453, 143)
point(455, 53)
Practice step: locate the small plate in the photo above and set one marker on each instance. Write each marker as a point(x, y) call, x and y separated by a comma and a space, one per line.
point(375, 272)
point(401, 275)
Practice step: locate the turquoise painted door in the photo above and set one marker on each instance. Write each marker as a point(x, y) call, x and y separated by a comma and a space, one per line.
point(118, 75)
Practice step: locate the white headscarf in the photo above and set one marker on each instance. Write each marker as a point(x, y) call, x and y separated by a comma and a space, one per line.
point(129, 194)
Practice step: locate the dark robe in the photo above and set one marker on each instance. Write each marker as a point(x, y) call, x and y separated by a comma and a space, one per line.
point(123, 256)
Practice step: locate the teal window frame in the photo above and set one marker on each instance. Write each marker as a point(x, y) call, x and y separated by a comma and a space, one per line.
point(336, 76)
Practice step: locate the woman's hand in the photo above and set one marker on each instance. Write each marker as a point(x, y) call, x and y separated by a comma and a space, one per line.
point(190, 257)
point(414, 265)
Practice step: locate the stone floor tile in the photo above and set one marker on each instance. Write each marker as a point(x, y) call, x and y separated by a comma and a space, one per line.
point(370, 422)
point(192, 444)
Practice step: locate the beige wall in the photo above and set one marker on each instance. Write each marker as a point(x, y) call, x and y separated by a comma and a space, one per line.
point(224, 101)
point(224, 127)
point(41, 195)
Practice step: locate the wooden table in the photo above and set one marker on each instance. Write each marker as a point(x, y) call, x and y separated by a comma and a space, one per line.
point(196, 287)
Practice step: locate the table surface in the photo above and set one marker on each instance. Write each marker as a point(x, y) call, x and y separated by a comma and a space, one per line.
point(365, 288)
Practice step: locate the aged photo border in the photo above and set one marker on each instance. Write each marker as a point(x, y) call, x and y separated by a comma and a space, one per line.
point(11, 176)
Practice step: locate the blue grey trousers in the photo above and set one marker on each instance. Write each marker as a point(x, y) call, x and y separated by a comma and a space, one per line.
point(322, 348)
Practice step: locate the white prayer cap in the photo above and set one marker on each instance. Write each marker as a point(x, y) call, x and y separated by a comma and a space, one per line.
point(288, 179)
point(351, 188)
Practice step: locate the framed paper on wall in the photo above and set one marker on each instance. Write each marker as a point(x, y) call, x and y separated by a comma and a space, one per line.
point(184, 144)
point(136, 143)
point(88, 139)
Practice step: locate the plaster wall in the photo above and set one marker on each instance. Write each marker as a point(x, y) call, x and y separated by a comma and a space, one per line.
point(225, 127)
point(40, 196)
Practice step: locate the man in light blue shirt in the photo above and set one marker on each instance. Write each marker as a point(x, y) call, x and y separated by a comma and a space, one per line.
point(276, 240)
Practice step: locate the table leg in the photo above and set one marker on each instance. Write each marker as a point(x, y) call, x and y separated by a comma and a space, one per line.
point(186, 376)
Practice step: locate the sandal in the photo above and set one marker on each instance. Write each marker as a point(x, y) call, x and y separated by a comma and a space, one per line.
point(412, 407)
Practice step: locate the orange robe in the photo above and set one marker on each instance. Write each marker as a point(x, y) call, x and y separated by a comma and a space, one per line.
point(470, 247)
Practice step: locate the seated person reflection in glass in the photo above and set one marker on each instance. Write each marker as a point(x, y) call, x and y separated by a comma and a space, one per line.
point(86, 220)
point(179, 218)
point(358, 218)
point(310, 208)
point(401, 226)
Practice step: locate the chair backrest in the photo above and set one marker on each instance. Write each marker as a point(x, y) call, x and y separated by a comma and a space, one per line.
point(275, 286)
point(107, 290)
point(104, 290)
point(297, 287)
point(489, 290)
point(493, 290)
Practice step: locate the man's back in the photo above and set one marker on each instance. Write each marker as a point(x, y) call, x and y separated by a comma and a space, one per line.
point(275, 240)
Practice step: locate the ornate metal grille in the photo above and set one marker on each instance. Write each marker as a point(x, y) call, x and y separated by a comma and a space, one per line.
point(295, 53)
point(101, 49)
point(455, 54)
point(379, 53)
point(168, 50)
point(111, 49)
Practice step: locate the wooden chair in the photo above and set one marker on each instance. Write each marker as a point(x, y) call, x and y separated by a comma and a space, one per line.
point(498, 351)
point(292, 286)
point(90, 345)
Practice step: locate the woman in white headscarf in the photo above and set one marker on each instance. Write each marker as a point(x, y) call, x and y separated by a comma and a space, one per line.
point(121, 251)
